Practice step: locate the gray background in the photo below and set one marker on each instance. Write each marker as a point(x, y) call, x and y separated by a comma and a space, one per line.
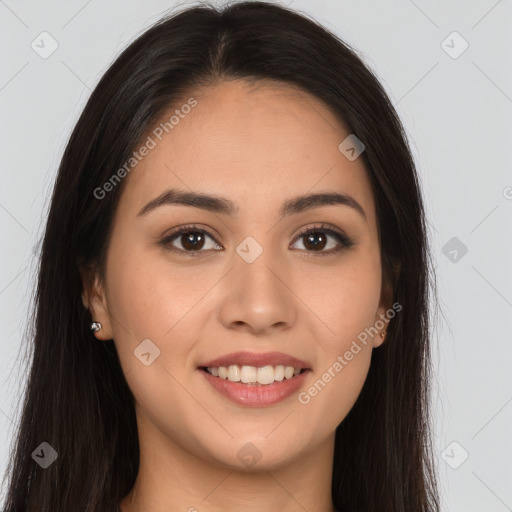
point(457, 112)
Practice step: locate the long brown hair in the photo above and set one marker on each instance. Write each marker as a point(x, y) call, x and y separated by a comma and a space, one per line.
point(77, 399)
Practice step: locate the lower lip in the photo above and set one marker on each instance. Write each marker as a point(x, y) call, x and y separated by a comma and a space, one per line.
point(253, 395)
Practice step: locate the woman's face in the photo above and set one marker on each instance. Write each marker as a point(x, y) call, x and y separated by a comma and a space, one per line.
point(173, 304)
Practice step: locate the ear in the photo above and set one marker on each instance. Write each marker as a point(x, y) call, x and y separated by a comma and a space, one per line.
point(95, 300)
point(385, 303)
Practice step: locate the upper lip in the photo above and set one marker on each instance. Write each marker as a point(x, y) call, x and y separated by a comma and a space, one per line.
point(245, 358)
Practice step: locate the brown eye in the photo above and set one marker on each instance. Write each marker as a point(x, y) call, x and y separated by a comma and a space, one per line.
point(190, 240)
point(193, 241)
point(317, 239)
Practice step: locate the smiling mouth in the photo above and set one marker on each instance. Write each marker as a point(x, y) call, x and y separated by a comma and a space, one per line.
point(255, 376)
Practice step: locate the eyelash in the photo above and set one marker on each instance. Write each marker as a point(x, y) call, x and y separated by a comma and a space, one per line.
point(344, 241)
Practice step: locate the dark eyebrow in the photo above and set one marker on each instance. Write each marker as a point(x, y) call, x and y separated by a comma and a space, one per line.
point(225, 206)
point(309, 201)
point(195, 199)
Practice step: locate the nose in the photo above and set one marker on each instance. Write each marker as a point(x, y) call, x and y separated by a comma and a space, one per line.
point(258, 297)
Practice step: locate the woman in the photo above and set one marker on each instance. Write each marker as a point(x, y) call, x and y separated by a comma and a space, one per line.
point(232, 305)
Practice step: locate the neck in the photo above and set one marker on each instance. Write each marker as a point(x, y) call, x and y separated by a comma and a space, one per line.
point(170, 475)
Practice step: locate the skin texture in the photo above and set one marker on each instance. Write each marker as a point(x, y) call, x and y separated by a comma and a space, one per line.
point(257, 146)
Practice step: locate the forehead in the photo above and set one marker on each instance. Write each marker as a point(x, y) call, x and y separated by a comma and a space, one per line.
point(254, 144)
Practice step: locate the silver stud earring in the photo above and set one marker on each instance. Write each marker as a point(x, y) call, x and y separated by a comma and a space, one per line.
point(95, 327)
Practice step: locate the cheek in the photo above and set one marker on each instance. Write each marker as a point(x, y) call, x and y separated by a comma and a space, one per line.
point(345, 297)
point(346, 300)
point(148, 295)
point(336, 387)
point(149, 299)
point(152, 299)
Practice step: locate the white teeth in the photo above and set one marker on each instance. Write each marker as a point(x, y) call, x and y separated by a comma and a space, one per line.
point(265, 375)
point(252, 375)
point(288, 372)
point(279, 372)
point(248, 374)
point(233, 373)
